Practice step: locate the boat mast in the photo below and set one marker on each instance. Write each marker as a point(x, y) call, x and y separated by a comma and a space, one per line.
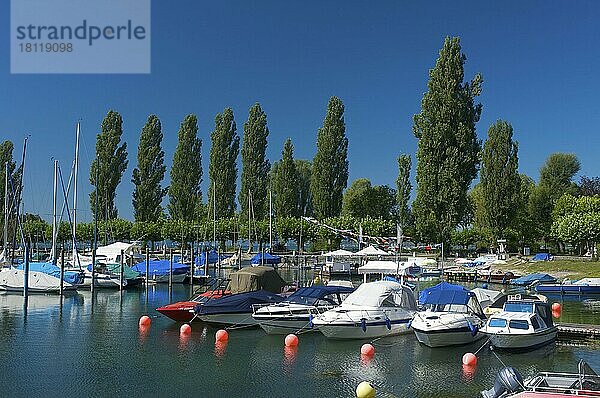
point(5, 240)
point(270, 222)
point(214, 216)
point(249, 241)
point(75, 255)
point(54, 215)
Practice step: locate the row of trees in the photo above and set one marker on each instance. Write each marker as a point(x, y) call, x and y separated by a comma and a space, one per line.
point(447, 207)
point(299, 186)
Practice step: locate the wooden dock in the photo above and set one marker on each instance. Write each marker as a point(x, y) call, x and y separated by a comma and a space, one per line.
point(567, 331)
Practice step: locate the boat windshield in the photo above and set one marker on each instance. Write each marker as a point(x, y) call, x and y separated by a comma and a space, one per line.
point(497, 323)
point(518, 307)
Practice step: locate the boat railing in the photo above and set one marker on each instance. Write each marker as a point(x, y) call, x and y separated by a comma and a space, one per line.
point(565, 383)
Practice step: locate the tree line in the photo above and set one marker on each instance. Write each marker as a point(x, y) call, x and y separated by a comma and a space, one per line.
point(503, 204)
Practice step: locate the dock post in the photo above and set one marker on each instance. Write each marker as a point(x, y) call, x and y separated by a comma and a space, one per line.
point(122, 270)
point(219, 260)
point(26, 276)
point(62, 268)
point(147, 267)
point(192, 264)
point(206, 265)
point(170, 268)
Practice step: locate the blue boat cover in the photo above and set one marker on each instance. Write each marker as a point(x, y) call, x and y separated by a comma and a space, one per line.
point(160, 267)
point(268, 259)
point(310, 295)
point(445, 293)
point(237, 303)
point(213, 257)
point(542, 257)
point(72, 277)
point(531, 278)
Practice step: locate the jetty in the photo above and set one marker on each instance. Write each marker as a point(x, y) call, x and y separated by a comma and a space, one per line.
point(568, 331)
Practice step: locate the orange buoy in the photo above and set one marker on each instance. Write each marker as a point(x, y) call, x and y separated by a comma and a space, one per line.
point(469, 359)
point(145, 321)
point(367, 349)
point(221, 335)
point(556, 314)
point(556, 307)
point(185, 329)
point(291, 340)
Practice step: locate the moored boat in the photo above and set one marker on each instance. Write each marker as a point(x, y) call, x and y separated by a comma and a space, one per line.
point(523, 323)
point(298, 310)
point(582, 286)
point(509, 383)
point(12, 280)
point(374, 309)
point(452, 316)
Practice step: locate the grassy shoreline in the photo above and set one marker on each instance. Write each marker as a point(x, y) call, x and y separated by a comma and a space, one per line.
point(560, 269)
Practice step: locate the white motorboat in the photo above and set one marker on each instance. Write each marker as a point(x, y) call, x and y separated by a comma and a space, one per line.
point(523, 323)
point(39, 282)
point(375, 309)
point(452, 316)
point(299, 309)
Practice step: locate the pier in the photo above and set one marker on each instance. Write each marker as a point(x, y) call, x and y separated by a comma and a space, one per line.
point(567, 331)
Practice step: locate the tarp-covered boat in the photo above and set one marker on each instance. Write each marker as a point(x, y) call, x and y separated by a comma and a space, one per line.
point(71, 277)
point(158, 270)
point(530, 279)
point(265, 258)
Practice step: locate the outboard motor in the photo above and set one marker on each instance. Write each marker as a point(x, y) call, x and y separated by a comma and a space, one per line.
point(508, 381)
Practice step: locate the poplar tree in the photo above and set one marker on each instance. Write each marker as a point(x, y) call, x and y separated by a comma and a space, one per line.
point(330, 164)
point(222, 170)
point(304, 171)
point(185, 196)
point(403, 188)
point(499, 179)
point(285, 184)
point(111, 163)
point(6, 156)
point(448, 148)
point(255, 165)
point(148, 175)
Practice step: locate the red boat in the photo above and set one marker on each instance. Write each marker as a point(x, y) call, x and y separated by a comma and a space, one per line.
point(183, 311)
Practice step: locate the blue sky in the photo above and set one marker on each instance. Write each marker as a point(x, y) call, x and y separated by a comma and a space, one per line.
point(539, 61)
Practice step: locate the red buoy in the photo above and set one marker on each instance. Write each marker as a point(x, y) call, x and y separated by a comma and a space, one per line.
point(145, 321)
point(221, 335)
point(291, 340)
point(556, 307)
point(367, 350)
point(185, 329)
point(469, 359)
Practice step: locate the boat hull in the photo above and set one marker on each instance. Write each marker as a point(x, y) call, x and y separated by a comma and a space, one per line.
point(522, 341)
point(238, 319)
point(450, 337)
point(353, 330)
point(39, 282)
point(568, 289)
point(177, 278)
point(182, 311)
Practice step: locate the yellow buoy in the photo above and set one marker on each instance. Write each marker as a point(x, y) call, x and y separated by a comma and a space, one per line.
point(365, 390)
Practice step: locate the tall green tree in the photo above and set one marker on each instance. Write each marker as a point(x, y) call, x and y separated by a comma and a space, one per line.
point(556, 179)
point(285, 184)
point(304, 170)
point(255, 165)
point(111, 163)
point(222, 170)
point(330, 164)
point(185, 197)
point(448, 148)
point(362, 200)
point(148, 175)
point(403, 188)
point(6, 158)
point(499, 179)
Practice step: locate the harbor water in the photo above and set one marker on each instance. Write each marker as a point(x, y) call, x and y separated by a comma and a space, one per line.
point(86, 345)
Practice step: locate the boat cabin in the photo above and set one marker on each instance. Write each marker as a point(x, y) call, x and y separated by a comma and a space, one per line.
point(526, 314)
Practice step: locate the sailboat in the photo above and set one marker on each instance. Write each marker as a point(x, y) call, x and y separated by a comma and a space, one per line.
point(42, 277)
